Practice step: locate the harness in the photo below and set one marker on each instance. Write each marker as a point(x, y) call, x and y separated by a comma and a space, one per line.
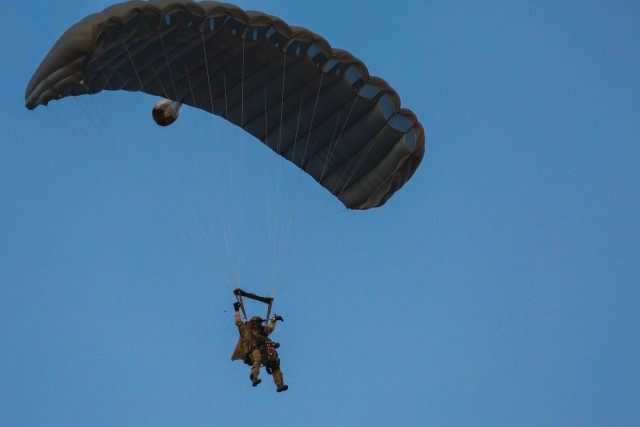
point(268, 353)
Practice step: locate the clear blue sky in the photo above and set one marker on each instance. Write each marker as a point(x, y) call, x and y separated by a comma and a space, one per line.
point(500, 287)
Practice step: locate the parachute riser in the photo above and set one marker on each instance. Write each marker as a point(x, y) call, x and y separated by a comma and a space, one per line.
point(239, 293)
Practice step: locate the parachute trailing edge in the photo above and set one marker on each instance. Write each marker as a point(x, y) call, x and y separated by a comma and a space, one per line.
point(312, 104)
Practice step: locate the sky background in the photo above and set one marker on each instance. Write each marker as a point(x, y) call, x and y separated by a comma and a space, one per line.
point(499, 287)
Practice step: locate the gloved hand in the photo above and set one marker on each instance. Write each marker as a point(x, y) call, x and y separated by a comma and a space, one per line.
point(236, 306)
point(276, 318)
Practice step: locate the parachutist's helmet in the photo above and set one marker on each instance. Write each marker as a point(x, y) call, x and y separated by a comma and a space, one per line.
point(166, 112)
point(255, 322)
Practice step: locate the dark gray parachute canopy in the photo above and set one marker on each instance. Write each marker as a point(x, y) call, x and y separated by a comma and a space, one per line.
point(316, 106)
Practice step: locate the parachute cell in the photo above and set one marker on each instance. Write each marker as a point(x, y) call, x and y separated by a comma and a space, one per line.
point(312, 104)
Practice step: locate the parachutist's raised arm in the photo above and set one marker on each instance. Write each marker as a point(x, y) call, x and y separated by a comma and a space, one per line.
point(272, 325)
point(236, 307)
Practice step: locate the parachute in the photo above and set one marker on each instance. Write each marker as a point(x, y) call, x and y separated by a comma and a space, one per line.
point(315, 105)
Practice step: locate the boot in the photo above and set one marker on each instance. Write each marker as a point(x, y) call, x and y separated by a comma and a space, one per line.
point(282, 387)
point(255, 381)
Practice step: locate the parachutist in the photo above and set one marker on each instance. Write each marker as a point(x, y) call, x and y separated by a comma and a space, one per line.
point(255, 348)
point(166, 112)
